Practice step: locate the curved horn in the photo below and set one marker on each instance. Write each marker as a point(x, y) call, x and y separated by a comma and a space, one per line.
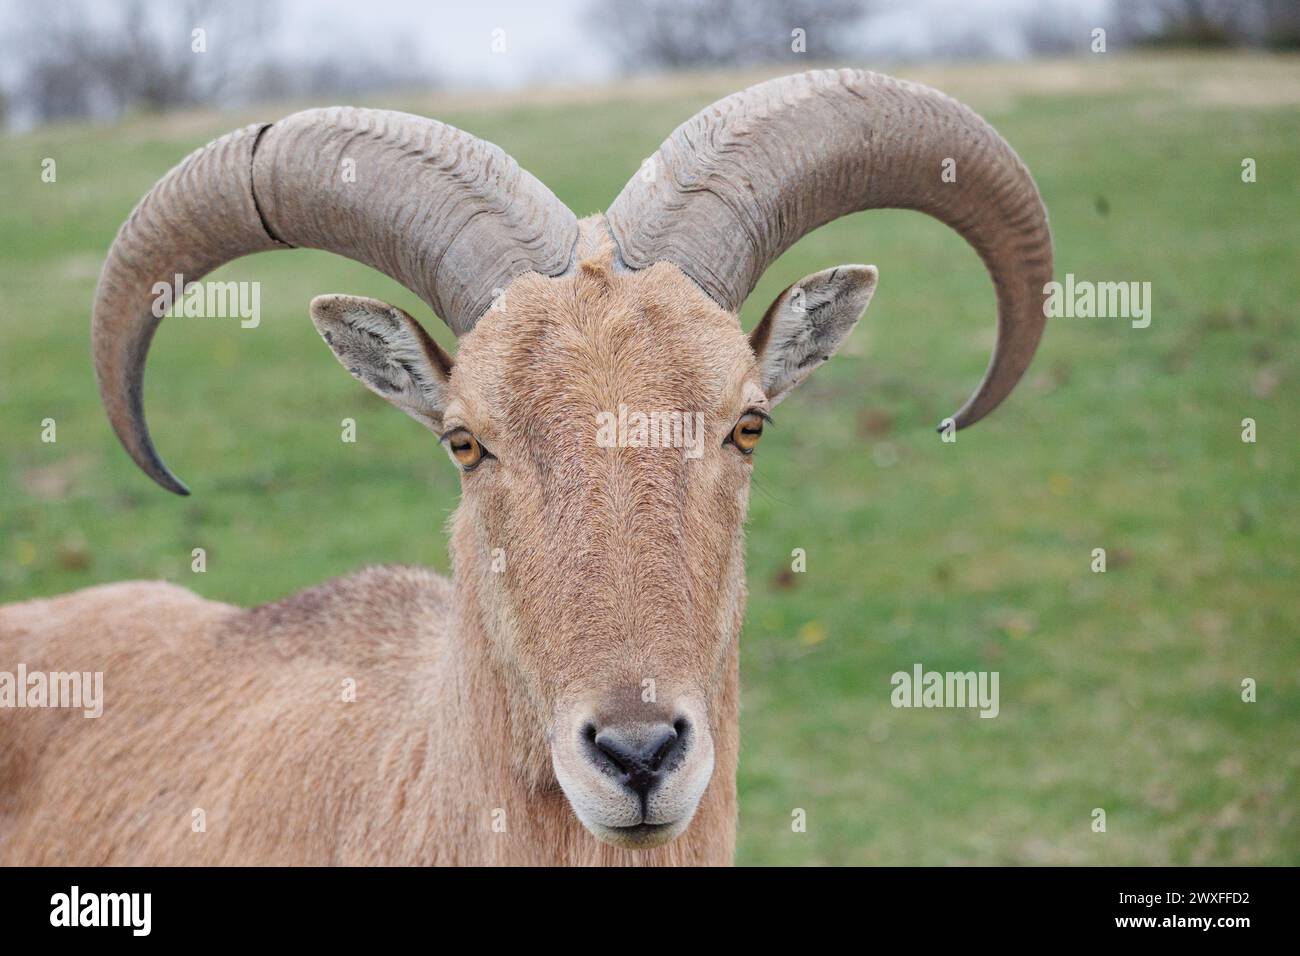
point(745, 178)
point(449, 216)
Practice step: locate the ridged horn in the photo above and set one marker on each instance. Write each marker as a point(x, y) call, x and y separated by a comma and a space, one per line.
point(744, 179)
point(449, 216)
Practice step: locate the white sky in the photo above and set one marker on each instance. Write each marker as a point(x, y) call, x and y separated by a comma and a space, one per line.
point(550, 40)
point(545, 39)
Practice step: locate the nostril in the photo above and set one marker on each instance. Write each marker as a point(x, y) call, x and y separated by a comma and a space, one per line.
point(614, 750)
point(676, 745)
point(640, 754)
point(666, 741)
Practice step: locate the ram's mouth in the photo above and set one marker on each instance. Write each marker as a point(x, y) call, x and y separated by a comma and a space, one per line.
point(640, 836)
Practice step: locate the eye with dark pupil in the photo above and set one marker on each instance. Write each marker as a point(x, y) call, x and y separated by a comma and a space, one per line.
point(747, 432)
point(465, 449)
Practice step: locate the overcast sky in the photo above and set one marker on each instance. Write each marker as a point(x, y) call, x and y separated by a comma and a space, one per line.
point(550, 40)
point(543, 38)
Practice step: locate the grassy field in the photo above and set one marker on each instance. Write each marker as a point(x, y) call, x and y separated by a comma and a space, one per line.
point(1119, 690)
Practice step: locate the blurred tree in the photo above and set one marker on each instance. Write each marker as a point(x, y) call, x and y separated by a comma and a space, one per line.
point(1281, 24)
point(674, 34)
point(1200, 23)
point(1056, 28)
point(79, 60)
point(395, 65)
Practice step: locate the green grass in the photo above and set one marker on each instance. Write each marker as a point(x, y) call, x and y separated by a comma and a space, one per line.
point(1118, 690)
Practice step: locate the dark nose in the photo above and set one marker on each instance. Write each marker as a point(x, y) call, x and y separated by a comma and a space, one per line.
point(639, 754)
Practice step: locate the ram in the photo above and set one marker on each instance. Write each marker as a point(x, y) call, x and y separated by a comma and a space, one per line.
point(571, 694)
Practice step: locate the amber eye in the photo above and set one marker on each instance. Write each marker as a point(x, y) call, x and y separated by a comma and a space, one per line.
point(465, 448)
point(747, 432)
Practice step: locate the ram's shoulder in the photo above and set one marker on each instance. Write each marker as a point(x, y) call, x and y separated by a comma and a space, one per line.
point(125, 608)
point(380, 606)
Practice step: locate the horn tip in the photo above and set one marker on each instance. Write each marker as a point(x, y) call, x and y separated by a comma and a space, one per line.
point(957, 422)
point(170, 482)
point(155, 468)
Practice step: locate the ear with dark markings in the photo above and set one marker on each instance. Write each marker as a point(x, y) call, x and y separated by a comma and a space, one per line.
point(388, 352)
point(807, 323)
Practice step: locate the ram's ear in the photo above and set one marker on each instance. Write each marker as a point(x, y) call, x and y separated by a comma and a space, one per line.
point(387, 351)
point(807, 323)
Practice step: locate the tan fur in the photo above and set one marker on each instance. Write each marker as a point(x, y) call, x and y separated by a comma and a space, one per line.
point(622, 564)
